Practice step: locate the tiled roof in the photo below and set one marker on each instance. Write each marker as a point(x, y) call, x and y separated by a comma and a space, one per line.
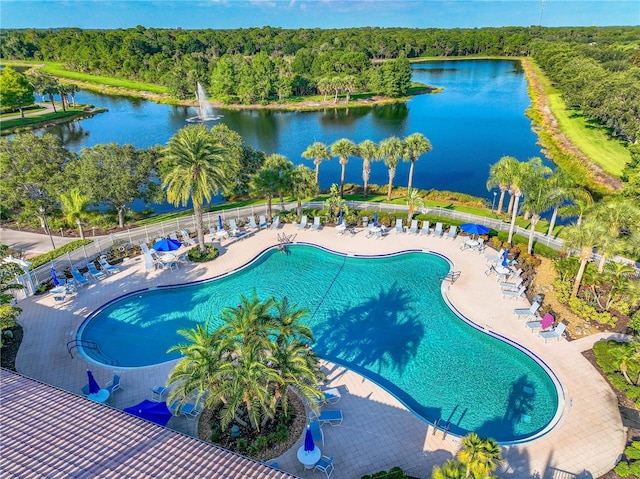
point(48, 432)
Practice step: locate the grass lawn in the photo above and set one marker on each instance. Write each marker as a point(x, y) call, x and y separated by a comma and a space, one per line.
point(591, 138)
point(34, 119)
point(27, 111)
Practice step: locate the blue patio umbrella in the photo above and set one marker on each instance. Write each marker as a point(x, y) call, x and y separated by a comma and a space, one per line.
point(219, 222)
point(308, 440)
point(505, 258)
point(156, 412)
point(94, 387)
point(167, 244)
point(54, 277)
point(340, 218)
point(375, 218)
point(475, 229)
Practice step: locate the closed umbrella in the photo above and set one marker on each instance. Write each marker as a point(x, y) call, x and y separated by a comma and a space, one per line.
point(340, 218)
point(94, 387)
point(375, 218)
point(219, 222)
point(54, 277)
point(308, 440)
point(167, 244)
point(156, 412)
point(505, 258)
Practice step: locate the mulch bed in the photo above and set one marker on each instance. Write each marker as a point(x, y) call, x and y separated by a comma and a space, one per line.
point(10, 348)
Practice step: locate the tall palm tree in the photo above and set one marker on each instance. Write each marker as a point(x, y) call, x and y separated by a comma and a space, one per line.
point(318, 152)
point(303, 185)
point(579, 207)
point(564, 189)
point(584, 238)
point(343, 148)
point(452, 469)
point(523, 173)
point(265, 183)
point(74, 207)
point(500, 175)
point(415, 145)
point(196, 169)
point(282, 168)
point(538, 198)
point(481, 456)
point(369, 152)
point(391, 150)
point(620, 216)
point(414, 200)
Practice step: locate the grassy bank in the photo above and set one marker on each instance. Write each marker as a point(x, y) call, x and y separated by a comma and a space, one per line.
point(38, 120)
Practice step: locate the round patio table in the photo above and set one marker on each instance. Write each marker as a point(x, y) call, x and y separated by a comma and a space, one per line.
point(101, 396)
point(309, 458)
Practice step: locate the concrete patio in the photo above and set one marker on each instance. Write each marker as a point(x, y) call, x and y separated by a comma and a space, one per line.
point(378, 432)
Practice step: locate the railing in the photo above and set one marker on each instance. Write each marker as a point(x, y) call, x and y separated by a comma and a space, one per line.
point(148, 234)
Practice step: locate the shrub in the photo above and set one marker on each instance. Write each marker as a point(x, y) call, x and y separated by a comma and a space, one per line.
point(64, 249)
point(634, 322)
point(195, 255)
point(8, 316)
point(242, 445)
point(260, 444)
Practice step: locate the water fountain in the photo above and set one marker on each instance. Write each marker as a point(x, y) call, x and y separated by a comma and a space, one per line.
point(204, 110)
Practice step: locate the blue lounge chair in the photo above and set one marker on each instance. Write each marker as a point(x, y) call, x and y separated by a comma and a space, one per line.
point(316, 432)
point(325, 464)
point(79, 279)
point(94, 271)
point(114, 385)
point(555, 333)
point(263, 221)
point(332, 416)
point(189, 410)
point(273, 464)
point(109, 268)
point(85, 390)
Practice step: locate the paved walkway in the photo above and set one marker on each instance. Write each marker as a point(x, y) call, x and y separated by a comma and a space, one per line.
point(32, 244)
point(378, 432)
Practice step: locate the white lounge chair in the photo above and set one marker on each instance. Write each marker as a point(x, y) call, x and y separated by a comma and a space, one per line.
point(109, 268)
point(425, 228)
point(528, 312)
point(332, 416)
point(438, 230)
point(506, 286)
point(252, 223)
point(174, 237)
point(316, 223)
point(413, 229)
point(233, 228)
point(303, 222)
point(453, 232)
point(544, 324)
point(263, 221)
point(514, 294)
point(555, 333)
point(187, 239)
point(399, 227)
point(495, 257)
point(275, 223)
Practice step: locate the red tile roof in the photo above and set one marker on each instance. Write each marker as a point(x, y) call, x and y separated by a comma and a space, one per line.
point(48, 432)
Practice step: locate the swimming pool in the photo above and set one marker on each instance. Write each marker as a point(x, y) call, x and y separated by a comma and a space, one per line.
point(383, 317)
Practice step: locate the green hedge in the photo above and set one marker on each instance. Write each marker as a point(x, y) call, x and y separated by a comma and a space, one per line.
point(56, 253)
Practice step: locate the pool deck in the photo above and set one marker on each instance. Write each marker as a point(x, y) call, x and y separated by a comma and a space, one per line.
point(378, 432)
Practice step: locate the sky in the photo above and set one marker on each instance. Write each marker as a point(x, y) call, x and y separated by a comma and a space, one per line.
point(229, 14)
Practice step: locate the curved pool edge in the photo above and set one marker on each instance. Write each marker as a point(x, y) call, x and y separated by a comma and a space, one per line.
point(541, 363)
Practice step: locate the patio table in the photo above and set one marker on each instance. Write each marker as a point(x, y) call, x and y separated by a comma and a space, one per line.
point(308, 458)
point(101, 396)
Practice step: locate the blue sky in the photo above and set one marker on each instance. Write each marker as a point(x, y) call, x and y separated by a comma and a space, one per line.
point(314, 13)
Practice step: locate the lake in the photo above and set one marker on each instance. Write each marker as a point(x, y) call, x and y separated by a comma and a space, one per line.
point(478, 118)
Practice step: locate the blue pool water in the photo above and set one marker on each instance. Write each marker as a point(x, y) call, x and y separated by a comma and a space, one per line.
point(383, 317)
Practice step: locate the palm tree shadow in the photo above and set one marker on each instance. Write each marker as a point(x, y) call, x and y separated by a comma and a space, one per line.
point(378, 334)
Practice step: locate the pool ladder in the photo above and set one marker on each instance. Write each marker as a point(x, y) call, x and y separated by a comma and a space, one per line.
point(445, 429)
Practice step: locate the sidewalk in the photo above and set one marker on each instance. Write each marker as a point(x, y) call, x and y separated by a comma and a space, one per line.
point(31, 244)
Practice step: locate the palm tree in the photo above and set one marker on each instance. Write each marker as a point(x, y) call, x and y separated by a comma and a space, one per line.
point(196, 169)
point(391, 150)
point(564, 188)
point(343, 148)
point(303, 185)
point(282, 167)
point(368, 151)
point(500, 175)
point(584, 238)
point(452, 469)
point(414, 200)
point(74, 207)
point(538, 198)
point(318, 152)
point(481, 456)
point(415, 145)
point(580, 206)
point(620, 216)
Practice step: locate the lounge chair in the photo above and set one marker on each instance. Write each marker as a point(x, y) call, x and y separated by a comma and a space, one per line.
point(144, 248)
point(189, 410)
point(495, 258)
point(555, 333)
point(480, 246)
point(94, 271)
point(332, 416)
point(187, 239)
point(544, 324)
point(452, 276)
point(528, 312)
point(275, 223)
point(514, 294)
point(413, 229)
point(263, 221)
point(174, 237)
point(438, 231)
point(273, 464)
point(316, 432)
point(113, 385)
point(109, 268)
point(325, 464)
point(233, 228)
point(453, 232)
point(399, 227)
point(316, 223)
point(303, 222)
point(506, 286)
point(330, 396)
point(425, 228)
point(79, 279)
point(252, 223)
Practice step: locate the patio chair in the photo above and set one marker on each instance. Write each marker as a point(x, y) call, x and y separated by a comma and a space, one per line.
point(252, 223)
point(451, 276)
point(187, 239)
point(273, 464)
point(514, 294)
point(555, 333)
point(316, 432)
point(399, 227)
point(332, 416)
point(114, 385)
point(453, 232)
point(174, 237)
point(413, 229)
point(438, 231)
point(329, 396)
point(303, 222)
point(233, 228)
point(94, 271)
point(275, 223)
point(425, 228)
point(85, 390)
point(190, 410)
point(543, 324)
point(109, 268)
point(263, 221)
point(325, 464)
point(528, 312)
point(79, 279)
point(506, 286)
point(316, 223)
point(481, 246)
